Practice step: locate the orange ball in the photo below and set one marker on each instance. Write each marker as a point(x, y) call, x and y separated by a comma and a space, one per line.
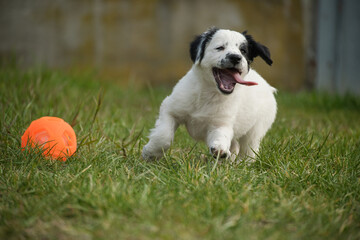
point(55, 137)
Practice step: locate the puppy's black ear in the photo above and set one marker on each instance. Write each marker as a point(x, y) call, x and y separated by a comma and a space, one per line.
point(198, 45)
point(257, 49)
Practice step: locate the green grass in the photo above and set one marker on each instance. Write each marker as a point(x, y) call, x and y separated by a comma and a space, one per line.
point(304, 184)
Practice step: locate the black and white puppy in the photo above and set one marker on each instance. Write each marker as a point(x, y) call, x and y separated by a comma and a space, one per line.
point(221, 100)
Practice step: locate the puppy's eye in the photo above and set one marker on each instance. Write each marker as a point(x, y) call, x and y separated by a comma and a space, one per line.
point(221, 48)
point(243, 51)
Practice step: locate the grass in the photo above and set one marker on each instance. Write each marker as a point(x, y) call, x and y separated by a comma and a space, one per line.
point(304, 184)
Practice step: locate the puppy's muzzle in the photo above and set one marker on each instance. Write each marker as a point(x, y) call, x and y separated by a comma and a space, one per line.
point(231, 60)
point(234, 58)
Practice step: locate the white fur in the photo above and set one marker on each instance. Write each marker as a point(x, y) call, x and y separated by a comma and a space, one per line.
point(233, 124)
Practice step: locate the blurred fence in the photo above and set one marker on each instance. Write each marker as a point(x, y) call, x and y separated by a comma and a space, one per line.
point(147, 40)
point(338, 49)
point(312, 42)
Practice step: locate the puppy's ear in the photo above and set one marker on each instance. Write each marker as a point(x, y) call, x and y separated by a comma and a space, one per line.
point(257, 49)
point(198, 45)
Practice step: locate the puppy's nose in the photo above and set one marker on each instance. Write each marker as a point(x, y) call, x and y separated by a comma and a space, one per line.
point(234, 58)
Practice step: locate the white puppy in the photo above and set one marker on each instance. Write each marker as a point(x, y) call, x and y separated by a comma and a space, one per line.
point(221, 100)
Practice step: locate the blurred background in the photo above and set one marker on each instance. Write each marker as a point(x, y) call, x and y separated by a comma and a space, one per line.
point(314, 43)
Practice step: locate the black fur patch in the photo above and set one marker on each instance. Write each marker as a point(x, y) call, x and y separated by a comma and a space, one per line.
point(198, 45)
point(257, 49)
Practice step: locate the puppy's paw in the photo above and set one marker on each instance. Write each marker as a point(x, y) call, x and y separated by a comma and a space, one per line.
point(148, 155)
point(219, 152)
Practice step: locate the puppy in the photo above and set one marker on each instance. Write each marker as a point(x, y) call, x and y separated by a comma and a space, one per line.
point(221, 100)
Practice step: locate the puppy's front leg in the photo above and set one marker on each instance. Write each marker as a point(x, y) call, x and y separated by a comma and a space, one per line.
point(160, 137)
point(219, 141)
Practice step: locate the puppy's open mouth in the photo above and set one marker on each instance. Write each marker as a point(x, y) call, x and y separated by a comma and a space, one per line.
point(227, 78)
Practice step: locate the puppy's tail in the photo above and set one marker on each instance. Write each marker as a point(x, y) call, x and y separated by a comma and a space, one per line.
point(273, 90)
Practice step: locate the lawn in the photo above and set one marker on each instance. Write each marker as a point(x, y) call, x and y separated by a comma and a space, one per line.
point(305, 183)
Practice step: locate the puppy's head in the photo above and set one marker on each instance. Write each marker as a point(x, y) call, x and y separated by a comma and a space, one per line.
point(227, 55)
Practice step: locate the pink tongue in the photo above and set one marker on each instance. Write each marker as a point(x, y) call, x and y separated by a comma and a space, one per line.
point(239, 80)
